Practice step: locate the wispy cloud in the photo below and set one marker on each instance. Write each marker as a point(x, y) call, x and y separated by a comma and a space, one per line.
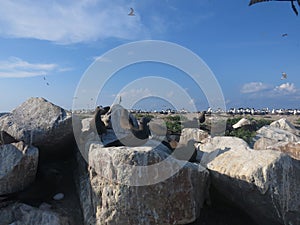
point(286, 88)
point(16, 67)
point(253, 87)
point(259, 90)
point(69, 21)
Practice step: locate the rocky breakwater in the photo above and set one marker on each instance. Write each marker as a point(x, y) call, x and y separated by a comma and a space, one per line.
point(141, 185)
point(36, 143)
point(262, 183)
point(40, 123)
point(280, 135)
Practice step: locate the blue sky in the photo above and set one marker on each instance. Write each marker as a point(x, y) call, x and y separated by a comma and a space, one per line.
point(55, 42)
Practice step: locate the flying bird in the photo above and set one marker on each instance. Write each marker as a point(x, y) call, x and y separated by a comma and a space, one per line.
point(292, 2)
point(131, 13)
point(284, 76)
point(284, 35)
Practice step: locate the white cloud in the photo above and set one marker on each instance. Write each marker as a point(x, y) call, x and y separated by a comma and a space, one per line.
point(253, 87)
point(69, 21)
point(286, 88)
point(16, 67)
point(132, 93)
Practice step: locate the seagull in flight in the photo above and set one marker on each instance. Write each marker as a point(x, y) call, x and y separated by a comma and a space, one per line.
point(284, 76)
point(292, 2)
point(131, 13)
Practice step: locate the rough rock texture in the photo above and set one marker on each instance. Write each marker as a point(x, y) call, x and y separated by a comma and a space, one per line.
point(20, 214)
point(290, 148)
point(192, 133)
point(18, 166)
point(281, 135)
point(264, 143)
point(276, 134)
point(116, 194)
point(210, 148)
point(40, 123)
point(265, 184)
point(84, 189)
point(284, 124)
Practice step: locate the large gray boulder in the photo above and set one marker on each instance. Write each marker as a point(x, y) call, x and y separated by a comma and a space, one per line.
point(276, 134)
point(210, 148)
point(20, 214)
point(192, 133)
point(284, 124)
point(265, 184)
point(133, 185)
point(18, 166)
point(290, 148)
point(280, 135)
point(40, 123)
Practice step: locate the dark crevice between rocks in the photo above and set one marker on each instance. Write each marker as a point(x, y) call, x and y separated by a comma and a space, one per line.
point(64, 162)
point(55, 174)
point(221, 211)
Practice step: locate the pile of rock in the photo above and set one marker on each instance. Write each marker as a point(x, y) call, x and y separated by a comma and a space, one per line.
point(146, 184)
point(280, 135)
point(34, 136)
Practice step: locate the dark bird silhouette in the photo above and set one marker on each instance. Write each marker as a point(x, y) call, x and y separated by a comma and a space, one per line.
point(284, 35)
point(140, 133)
point(96, 123)
point(202, 117)
point(143, 131)
point(131, 13)
point(284, 76)
point(41, 190)
point(292, 2)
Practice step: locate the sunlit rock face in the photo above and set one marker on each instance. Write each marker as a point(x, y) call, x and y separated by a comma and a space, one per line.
point(290, 148)
point(40, 123)
point(265, 184)
point(210, 148)
point(132, 185)
point(18, 166)
point(284, 124)
point(281, 135)
point(192, 133)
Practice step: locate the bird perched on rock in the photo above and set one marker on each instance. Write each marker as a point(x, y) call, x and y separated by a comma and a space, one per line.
point(292, 2)
point(202, 117)
point(141, 131)
point(96, 123)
